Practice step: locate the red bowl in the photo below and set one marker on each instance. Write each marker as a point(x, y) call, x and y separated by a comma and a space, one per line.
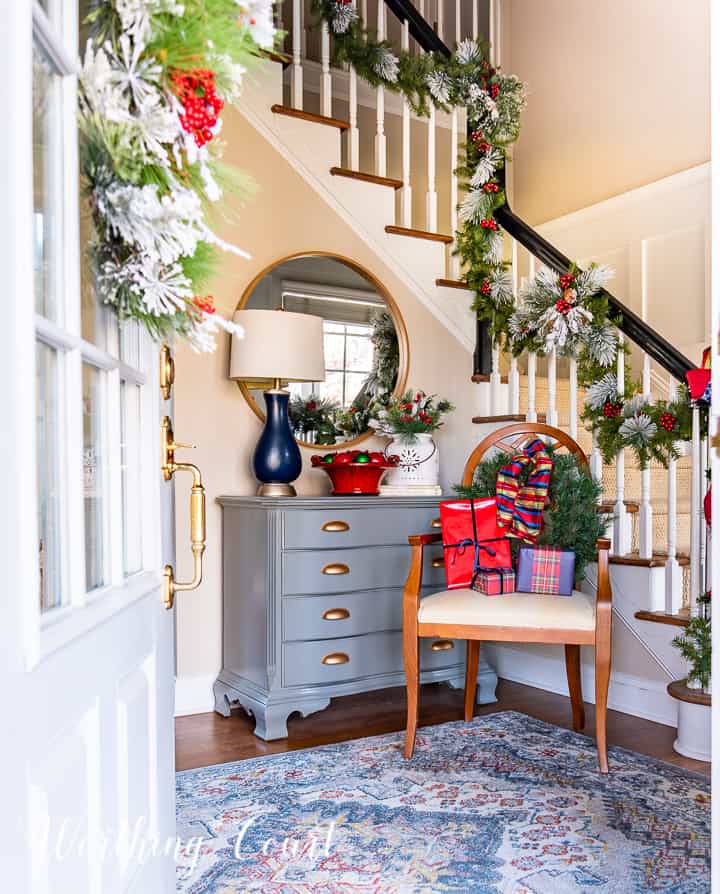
point(355, 478)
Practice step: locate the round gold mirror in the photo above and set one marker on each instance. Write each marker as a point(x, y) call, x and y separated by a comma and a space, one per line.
point(366, 353)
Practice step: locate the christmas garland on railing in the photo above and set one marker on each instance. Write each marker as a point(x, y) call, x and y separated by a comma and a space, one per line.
point(652, 429)
point(569, 313)
point(493, 101)
point(155, 77)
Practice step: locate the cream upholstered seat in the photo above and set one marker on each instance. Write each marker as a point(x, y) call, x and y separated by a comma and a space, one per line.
point(462, 606)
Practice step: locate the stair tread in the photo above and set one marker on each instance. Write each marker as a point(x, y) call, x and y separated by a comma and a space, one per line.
point(367, 178)
point(508, 417)
point(453, 284)
point(658, 560)
point(679, 690)
point(418, 234)
point(309, 116)
point(681, 619)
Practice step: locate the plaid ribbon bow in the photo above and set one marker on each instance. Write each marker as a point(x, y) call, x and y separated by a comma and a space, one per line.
point(520, 508)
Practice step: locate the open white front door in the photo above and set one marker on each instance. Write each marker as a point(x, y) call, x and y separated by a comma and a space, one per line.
point(86, 660)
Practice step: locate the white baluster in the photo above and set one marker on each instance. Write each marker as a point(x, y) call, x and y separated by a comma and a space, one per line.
point(621, 528)
point(454, 260)
point(296, 75)
point(552, 414)
point(440, 18)
point(596, 462)
point(514, 375)
point(380, 138)
point(406, 190)
point(458, 21)
point(531, 371)
point(353, 144)
point(325, 77)
point(696, 484)
point(673, 573)
point(495, 382)
point(646, 512)
point(475, 20)
point(572, 398)
point(431, 200)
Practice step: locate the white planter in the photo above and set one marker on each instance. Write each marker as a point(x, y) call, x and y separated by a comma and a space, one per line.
point(419, 462)
point(694, 739)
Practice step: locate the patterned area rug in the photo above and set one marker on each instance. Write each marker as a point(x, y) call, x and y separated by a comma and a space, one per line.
point(503, 804)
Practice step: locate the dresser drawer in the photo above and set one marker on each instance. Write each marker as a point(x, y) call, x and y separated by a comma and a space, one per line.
point(343, 571)
point(351, 658)
point(330, 528)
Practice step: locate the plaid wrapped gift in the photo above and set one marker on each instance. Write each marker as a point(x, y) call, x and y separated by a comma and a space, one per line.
point(547, 570)
point(495, 581)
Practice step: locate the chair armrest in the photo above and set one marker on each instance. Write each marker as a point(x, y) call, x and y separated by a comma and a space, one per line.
point(604, 588)
point(424, 539)
point(413, 583)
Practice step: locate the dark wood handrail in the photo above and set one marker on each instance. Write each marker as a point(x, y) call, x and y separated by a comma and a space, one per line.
point(629, 323)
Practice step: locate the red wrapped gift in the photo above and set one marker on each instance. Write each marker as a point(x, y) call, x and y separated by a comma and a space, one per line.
point(472, 540)
point(495, 583)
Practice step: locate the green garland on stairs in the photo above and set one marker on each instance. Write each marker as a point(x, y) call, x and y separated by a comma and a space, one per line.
point(493, 101)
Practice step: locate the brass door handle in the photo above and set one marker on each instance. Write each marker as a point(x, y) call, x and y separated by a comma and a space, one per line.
point(334, 526)
point(167, 372)
point(197, 516)
point(336, 658)
point(336, 614)
point(436, 523)
point(438, 563)
point(336, 568)
point(442, 645)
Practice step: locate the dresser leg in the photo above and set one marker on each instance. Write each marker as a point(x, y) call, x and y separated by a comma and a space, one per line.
point(486, 686)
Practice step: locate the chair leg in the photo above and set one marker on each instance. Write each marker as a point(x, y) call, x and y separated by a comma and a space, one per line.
point(572, 666)
point(602, 683)
point(471, 672)
point(411, 657)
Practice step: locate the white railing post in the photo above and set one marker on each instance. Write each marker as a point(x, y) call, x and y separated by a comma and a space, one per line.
point(531, 415)
point(596, 463)
point(495, 382)
point(458, 21)
point(325, 77)
point(454, 260)
point(572, 398)
point(431, 200)
point(621, 528)
point(380, 138)
point(475, 20)
point(695, 510)
point(673, 573)
point(296, 75)
point(514, 375)
point(552, 413)
point(440, 24)
point(406, 190)
point(645, 547)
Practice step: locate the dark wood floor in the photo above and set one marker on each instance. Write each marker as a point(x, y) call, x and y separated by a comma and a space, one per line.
point(204, 739)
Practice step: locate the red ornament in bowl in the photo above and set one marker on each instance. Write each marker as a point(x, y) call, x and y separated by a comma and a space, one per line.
point(355, 471)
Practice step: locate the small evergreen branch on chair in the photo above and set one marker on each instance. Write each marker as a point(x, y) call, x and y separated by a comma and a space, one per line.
point(571, 521)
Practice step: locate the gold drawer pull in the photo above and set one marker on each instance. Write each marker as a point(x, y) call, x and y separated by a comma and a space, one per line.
point(336, 658)
point(336, 526)
point(336, 614)
point(442, 645)
point(438, 563)
point(436, 523)
point(336, 568)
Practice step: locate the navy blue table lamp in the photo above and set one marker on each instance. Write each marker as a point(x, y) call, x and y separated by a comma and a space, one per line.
point(278, 346)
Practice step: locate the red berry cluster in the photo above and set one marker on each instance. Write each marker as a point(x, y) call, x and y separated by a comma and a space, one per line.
point(485, 288)
point(201, 104)
point(491, 187)
point(311, 405)
point(611, 410)
point(567, 280)
point(487, 223)
point(205, 303)
point(479, 141)
point(494, 91)
point(668, 421)
point(562, 306)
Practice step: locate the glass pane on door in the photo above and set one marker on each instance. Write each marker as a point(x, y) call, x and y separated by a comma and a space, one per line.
point(47, 185)
point(130, 470)
point(48, 476)
point(94, 475)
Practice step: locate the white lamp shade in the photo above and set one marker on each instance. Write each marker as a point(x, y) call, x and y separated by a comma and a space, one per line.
point(278, 345)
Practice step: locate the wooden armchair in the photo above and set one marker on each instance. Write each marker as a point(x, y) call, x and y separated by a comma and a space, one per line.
point(516, 618)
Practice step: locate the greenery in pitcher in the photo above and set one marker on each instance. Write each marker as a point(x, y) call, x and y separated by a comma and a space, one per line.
point(412, 414)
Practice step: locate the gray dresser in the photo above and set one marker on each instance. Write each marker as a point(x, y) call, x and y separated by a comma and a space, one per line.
point(312, 603)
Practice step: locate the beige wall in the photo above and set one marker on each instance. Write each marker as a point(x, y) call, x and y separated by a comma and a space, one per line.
point(285, 217)
point(618, 97)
